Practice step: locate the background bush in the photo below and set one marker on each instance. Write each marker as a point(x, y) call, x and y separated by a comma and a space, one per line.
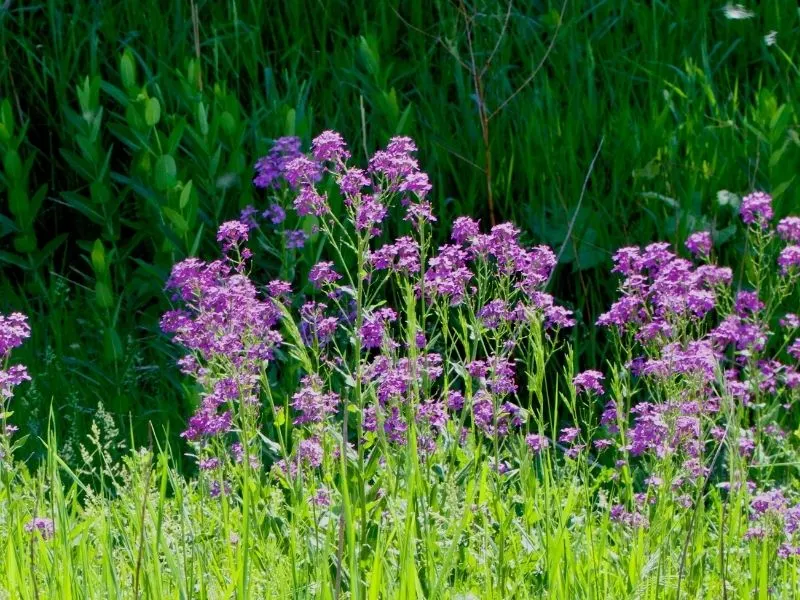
point(128, 131)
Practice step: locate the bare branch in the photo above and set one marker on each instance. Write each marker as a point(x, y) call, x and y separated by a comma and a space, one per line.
point(538, 67)
point(497, 43)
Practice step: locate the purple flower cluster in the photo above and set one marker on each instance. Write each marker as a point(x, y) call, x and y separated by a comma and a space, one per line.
point(14, 330)
point(42, 525)
point(756, 209)
point(589, 381)
point(223, 322)
point(699, 244)
point(312, 403)
point(271, 169)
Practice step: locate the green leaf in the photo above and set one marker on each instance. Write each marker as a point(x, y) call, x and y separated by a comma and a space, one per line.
point(228, 123)
point(103, 295)
point(166, 173)
point(291, 122)
point(186, 194)
point(177, 219)
point(99, 258)
point(202, 118)
point(127, 68)
point(152, 112)
point(12, 165)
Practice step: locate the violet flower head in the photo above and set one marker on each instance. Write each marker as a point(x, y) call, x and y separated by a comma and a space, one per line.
point(569, 434)
point(374, 331)
point(302, 170)
point(271, 168)
point(589, 381)
point(232, 233)
point(537, 442)
point(310, 452)
point(295, 238)
point(312, 404)
point(248, 216)
point(747, 303)
point(329, 146)
point(789, 229)
point(370, 212)
point(43, 525)
point(756, 208)
point(14, 330)
point(699, 244)
point(464, 229)
point(322, 274)
point(789, 259)
point(310, 202)
point(352, 182)
point(275, 214)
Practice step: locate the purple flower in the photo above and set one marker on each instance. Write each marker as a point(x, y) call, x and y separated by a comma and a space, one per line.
point(329, 146)
point(493, 313)
point(310, 202)
point(322, 498)
point(455, 400)
point(279, 289)
point(568, 435)
point(295, 238)
point(374, 330)
point(557, 317)
point(232, 233)
point(789, 229)
point(275, 213)
point(395, 163)
point(209, 464)
point(464, 229)
point(322, 274)
point(756, 208)
point(369, 213)
point(401, 257)
point(247, 216)
point(43, 525)
point(789, 259)
point(301, 170)
point(315, 326)
point(589, 381)
point(416, 183)
point(14, 330)
point(747, 303)
point(271, 168)
point(537, 442)
point(352, 182)
point(699, 244)
point(312, 404)
point(310, 452)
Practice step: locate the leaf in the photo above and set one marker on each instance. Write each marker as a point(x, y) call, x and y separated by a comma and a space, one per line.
point(103, 295)
point(99, 258)
point(177, 219)
point(186, 194)
point(166, 173)
point(127, 68)
point(12, 165)
point(152, 112)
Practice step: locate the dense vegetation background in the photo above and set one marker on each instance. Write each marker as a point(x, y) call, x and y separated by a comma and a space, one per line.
point(128, 131)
